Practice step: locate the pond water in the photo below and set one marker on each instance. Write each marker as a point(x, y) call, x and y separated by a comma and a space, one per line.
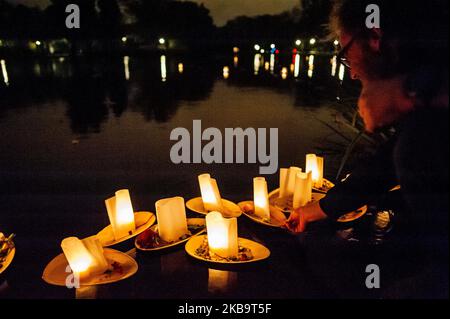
point(76, 130)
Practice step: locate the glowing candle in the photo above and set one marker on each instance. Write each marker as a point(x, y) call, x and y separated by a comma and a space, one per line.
point(303, 189)
point(78, 256)
point(99, 263)
point(261, 198)
point(171, 215)
point(120, 213)
point(222, 235)
point(291, 179)
point(314, 164)
point(210, 193)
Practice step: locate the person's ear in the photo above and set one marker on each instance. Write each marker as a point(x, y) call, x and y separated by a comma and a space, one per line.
point(375, 36)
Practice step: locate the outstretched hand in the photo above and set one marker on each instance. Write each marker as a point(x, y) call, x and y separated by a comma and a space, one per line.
point(296, 222)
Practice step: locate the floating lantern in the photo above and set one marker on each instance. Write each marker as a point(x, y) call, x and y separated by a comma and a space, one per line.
point(261, 198)
point(78, 257)
point(210, 193)
point(99, 263)
point(287, 180)
point(120, 213)
point(314, 164)
point(171, 215)
point(222, 235)
point(303, 190)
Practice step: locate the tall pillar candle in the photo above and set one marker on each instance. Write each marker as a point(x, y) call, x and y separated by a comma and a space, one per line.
point(171, 215)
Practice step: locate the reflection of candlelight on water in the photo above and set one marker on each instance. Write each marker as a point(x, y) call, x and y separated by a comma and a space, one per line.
point(292, 67)
point(226, 72)
point(4, 72)
point(266, 66)
point(221, 281)
point(310, 66)
point(297, 65)
point(333, 65)
point(163, 68)
point(235, 50)
point(236, 61)
point(257, 63)
point(284, 73)
point(341, 72)
point(86, 292)
point(126, 60)
point(180, 68)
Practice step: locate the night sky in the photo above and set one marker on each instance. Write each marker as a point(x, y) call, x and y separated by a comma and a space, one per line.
point(221, 10)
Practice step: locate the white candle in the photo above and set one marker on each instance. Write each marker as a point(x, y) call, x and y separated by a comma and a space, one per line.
point(303, 190)
point(171, 215)
point(210, 193)
point(99, 262)
point(291, 179)
point(222, 235)
point(314, 165)
point(78, 257)
point(283, 180)
point(120, 213)
point(261, 198)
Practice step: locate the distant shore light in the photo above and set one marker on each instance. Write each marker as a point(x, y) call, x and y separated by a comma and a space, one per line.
point(235, 50)
point(124, 39)
point(262, 51)
point(336, 42)
point(257, 47)
point(272, 46)
point(298, 42)
point(162, 41)
point(38, 43)
point(312, 41)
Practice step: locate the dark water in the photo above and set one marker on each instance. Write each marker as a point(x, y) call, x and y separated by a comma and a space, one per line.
point(75, 130)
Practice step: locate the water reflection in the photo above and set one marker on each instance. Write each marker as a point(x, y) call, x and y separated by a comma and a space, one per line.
point(221, 281)
point(163, 68)
point(126, 60)
point(341, 72)
point(236, 61)
point(226, 72)
point(297, 65)
point(4, 72)
point(257, 63)
point(272, 63)
point(180, 68)
point(284, 73)
point(310, 66)
point(333, 65)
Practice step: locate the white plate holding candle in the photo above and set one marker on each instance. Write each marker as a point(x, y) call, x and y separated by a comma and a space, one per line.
point(143, 221)
point(149, 240)
point(122, 265)
point(230, 209)
point(285, 204)
point(249, 251)
point(326, 186)
point(277, 217)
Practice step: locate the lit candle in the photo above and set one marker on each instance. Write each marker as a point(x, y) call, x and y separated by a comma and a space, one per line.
point(222, 235)
point(314, 164)
point(291, 179)
point(261, 198)
point(171, 215)
point(303, 190)
point(120, 213)
point(78, 257)
point(283, 180)
point(210, 193)
point(99, 263)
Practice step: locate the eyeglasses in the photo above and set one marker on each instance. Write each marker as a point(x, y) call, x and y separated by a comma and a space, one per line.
point(342, 55)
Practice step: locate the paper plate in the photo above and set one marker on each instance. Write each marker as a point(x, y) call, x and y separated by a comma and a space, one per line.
point(258, 251)
point(8, 260)
point(143, 220)
point(196, 205)
point(349, 217)
point(190, 221)
point(55, 272)
point(285, 204)
point(327, 185)
point(277, 217)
